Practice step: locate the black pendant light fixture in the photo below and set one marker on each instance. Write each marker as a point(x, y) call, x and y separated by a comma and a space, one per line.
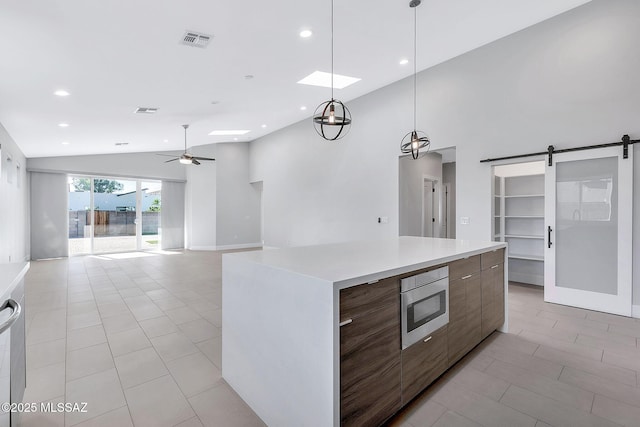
point(415, 140)
point(332, 118)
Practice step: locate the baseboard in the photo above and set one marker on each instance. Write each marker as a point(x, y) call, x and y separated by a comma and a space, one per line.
point(226, 247)
point(635, 311)
point(240, 246)
point(202, 248)
point(531, 279)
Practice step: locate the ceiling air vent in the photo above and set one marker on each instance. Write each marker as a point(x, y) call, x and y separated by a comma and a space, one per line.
point(191, 38)
point(146, 110)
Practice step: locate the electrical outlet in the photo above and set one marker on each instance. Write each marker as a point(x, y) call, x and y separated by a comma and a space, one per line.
point(464, 220)
point(383, 220)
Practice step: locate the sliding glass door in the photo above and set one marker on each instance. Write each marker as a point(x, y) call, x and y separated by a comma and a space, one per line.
point(80, 218)
point(113, 215)
point(150, 215)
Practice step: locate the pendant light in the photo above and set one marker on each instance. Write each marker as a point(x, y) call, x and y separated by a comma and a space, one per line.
point(332, 118)
point(415, 140)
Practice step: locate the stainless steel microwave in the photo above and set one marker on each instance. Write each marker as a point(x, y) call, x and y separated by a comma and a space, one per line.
point(424, 304)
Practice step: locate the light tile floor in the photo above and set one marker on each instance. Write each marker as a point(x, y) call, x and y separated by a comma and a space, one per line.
point(138, 337)
point(557, 366)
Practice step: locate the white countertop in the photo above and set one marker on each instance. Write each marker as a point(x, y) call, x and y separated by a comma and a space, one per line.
point(351, 263)
point(10, 275)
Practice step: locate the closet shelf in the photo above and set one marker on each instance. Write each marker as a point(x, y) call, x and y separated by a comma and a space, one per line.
point(527, 257)
point(521, 196)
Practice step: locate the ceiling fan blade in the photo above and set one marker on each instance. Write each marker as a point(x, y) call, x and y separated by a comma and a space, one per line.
point(166, 155)
point(194, 161)
point(172, 160)
point(203, 158)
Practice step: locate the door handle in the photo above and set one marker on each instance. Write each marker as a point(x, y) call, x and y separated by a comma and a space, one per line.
point(14, 316)
point(549, 230)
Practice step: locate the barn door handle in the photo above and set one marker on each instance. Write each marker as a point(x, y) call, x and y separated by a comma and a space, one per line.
point(549, 230)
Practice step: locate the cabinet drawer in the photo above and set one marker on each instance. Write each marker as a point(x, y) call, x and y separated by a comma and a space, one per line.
point(362, 330)
point(489, 259)
point(364, 299)
point(422, 363)
point(464, 267)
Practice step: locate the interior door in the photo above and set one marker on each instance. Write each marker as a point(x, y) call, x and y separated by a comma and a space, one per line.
point(427, 209)
point(588, 210)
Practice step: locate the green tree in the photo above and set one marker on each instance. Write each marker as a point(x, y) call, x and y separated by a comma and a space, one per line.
point(99, 185)
point(155, 206)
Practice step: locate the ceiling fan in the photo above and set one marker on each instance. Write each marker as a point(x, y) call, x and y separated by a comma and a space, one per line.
point(186, 158)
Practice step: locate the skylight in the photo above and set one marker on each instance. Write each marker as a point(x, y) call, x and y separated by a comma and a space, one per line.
point(320, 78)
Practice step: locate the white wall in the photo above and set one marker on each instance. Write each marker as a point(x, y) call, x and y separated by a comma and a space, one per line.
point(411, 190)
point(14, 217)
point(568, 81)
point(237, 201)
point(200, 210)
point(317, 191)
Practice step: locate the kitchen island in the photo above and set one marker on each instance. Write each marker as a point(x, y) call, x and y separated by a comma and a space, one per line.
point(284, 310)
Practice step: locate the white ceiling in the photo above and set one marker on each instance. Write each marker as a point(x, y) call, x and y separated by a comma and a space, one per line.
point(116, 55)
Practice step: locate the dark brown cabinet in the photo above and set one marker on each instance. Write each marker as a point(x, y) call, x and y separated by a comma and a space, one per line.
point(422, 363)
point(492, 291)
point(376, 377)
point(464, 307)
point(464, 316)
point(370, 353)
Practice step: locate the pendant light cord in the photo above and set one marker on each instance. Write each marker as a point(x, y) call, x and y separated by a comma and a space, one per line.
point(415, 66)
point(332, 50)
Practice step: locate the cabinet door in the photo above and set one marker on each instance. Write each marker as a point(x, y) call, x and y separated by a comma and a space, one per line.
point(492, 299)
point(422, 363)
point(370, 353)
point(465, 316)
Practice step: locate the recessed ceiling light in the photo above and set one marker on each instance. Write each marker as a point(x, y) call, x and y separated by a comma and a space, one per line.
point(263, 126)
point(165, 140)
point(121, 143)
point(215, 102)
point(65, 142)
point(404, 61)
point(235, 139)
point(306, 34)
point(228, 132)
point(303, 108)
point(248, 77)
point(63, 125)
point(320, 78)
point(61, 93)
